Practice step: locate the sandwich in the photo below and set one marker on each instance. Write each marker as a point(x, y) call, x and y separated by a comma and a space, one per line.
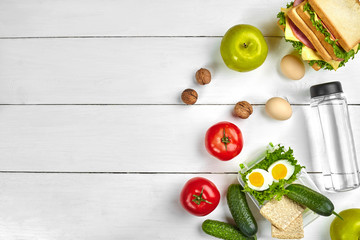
point(326, 33)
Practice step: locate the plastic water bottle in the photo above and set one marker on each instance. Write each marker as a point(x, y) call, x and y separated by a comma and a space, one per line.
point(340, 166)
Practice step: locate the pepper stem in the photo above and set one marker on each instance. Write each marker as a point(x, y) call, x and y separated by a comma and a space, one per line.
point(198, 198)
point(225, 139)
point(245, 46)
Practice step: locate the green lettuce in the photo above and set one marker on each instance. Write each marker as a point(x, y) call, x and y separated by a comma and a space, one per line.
point(277, 189)
point(281, 17)
point(289, 5)
point(296, 45)
point(322, 64)
point(281, 14)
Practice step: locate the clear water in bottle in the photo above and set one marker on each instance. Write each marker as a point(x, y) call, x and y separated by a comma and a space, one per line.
point(340, 166)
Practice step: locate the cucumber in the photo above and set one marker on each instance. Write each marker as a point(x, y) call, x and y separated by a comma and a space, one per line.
point(240, 211)
point(311, 199)
point(223, 230)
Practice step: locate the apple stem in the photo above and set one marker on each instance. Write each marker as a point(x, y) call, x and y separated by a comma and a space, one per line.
point(245, 46)
point(336, 214)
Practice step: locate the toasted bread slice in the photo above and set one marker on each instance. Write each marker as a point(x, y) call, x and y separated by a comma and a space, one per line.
point(294, 16)
point(342, 18)
point(305, 16)
point(295, 230)
point(316, 67)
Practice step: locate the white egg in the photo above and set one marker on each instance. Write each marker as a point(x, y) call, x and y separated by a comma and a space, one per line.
point(259, 179)
point(281, 169)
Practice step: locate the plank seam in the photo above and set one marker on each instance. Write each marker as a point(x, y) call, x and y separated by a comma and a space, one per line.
point(136, 104)
point(90, 37)
point(120, 173)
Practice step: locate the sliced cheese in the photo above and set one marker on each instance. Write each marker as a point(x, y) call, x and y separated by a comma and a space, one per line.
point(316, 17)
point(308, 54)
point(285, 10)
point(334, 64)
point(289, 35)
point(356, 48)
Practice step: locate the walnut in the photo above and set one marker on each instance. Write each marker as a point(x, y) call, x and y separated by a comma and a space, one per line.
point(243, 109)
point(203, 76)
point(189, 96)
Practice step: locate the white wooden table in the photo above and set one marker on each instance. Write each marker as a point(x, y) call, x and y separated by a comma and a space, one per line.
point(95, 142)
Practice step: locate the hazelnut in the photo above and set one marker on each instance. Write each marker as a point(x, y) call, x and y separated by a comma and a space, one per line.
point(203, 76)
point(189, 96)
point(243, 109)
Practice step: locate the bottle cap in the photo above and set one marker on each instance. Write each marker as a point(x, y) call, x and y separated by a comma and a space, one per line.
point(325, 89)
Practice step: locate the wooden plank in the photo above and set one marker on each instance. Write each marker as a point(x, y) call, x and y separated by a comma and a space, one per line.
point(142, 138)
point(35, 18)
point(147, 71)
point(125, 206)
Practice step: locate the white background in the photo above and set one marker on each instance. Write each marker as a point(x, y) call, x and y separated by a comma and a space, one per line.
point(95, 142)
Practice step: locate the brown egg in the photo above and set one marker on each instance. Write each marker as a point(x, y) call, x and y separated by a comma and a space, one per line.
point(278, 108)
point(292, 67)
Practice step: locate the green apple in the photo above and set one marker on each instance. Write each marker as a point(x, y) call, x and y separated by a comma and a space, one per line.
point(243, 48)
point(347, 229)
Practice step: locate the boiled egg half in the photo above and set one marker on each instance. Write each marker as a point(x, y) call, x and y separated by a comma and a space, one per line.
point(259, 180)
point(281, 169)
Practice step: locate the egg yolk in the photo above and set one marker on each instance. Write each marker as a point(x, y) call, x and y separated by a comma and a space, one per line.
point(256, 179)
point(279, 171)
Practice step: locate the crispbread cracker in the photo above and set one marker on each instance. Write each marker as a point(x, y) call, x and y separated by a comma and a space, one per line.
point(295, 230)
point(281, 213)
